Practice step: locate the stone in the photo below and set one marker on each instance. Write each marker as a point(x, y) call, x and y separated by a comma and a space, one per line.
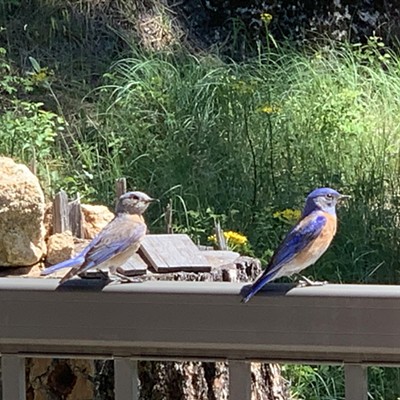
point(95, 218)
point(48, 220)
point(60, 247)
point(21, 215)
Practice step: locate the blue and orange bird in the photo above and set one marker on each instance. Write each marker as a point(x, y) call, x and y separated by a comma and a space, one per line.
point(115, 244)
point(306, 242)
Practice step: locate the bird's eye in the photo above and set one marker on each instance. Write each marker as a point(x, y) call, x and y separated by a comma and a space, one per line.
point(329, 196)
point(134, 197)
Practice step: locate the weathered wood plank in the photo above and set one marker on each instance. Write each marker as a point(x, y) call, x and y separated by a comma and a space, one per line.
point(120, 187)
point(75, 217)
point(134, 266)
point(168, 217)
point(60, 212)
point(168, 253)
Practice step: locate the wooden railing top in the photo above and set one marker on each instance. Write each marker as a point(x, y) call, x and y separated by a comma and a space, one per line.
point(200, 320)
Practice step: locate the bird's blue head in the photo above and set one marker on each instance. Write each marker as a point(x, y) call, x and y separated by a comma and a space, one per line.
point(324, 199)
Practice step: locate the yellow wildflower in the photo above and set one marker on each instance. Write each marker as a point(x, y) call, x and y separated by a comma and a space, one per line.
point(41, 76)
point(288, 215)
point(235, 237)
point(232, 237)
point(266, 17)
point(270, 109)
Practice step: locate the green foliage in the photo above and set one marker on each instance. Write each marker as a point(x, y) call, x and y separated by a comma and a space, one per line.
point(27, 131)
point(326, 382)
point(307, 382)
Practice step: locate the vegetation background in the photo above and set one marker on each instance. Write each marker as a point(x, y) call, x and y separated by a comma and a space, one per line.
point(233, 111)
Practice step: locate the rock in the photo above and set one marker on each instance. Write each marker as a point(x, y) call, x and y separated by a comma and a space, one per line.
point(95, 218)
point(21, 215)
point(32, 271)
point(48, 220)
point(60, 247)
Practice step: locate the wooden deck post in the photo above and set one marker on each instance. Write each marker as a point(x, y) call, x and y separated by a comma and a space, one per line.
point(239, 380)
point(126, 379)
point(13, 377)
point(356, 383)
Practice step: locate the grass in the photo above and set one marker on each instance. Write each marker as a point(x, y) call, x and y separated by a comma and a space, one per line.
point(238, 142)
point(246, 140)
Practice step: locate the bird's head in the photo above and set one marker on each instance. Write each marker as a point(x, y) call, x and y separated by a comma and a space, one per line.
point(324, 199)
point(133, 203)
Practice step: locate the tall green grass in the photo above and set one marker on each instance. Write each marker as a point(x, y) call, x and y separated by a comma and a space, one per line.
point(247, 140)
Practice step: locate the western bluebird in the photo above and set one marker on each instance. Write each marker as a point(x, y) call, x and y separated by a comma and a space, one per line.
point(116, 243)
point(306, 242)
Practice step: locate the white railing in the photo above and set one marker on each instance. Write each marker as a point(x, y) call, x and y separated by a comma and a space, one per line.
point(350, 325)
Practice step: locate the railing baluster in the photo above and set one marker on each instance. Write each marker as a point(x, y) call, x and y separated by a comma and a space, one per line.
point(356, 382)
point(126, 380)
point(13, 377)
point(239, 380)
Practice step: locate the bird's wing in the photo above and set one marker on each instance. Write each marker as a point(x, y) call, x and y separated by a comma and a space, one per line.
point(307, 230)
point(74, 262)
point(121, 233)
point(115, 238)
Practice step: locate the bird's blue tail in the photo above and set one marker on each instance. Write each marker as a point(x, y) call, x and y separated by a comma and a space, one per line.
point(258, 284)
point(72, 262)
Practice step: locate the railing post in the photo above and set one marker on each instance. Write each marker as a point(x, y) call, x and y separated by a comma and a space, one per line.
point(126, 379)
point(356, 382)
point(13, 377)
point(239, 380)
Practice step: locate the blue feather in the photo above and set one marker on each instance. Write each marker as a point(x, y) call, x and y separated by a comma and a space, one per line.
point(295, 241)
point(72, 262)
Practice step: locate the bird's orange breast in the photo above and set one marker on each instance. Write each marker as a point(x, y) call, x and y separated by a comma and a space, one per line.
point(320, 244)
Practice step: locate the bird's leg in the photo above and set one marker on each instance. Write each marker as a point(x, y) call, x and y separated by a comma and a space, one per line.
point(304, 281)
point(104, 275)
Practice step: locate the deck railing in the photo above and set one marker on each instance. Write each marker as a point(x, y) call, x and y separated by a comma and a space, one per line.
point(350, 325)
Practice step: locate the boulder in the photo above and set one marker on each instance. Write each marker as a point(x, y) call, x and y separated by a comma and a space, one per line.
point(95, 218)
point(60, 247)
point(21, 215)
point(48, 220)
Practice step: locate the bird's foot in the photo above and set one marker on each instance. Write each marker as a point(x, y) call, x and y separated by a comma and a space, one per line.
point(104, 275)
point(308, 282)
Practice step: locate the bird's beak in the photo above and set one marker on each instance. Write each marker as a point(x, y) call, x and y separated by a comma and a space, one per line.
point(153, 201)
point(344, 196)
